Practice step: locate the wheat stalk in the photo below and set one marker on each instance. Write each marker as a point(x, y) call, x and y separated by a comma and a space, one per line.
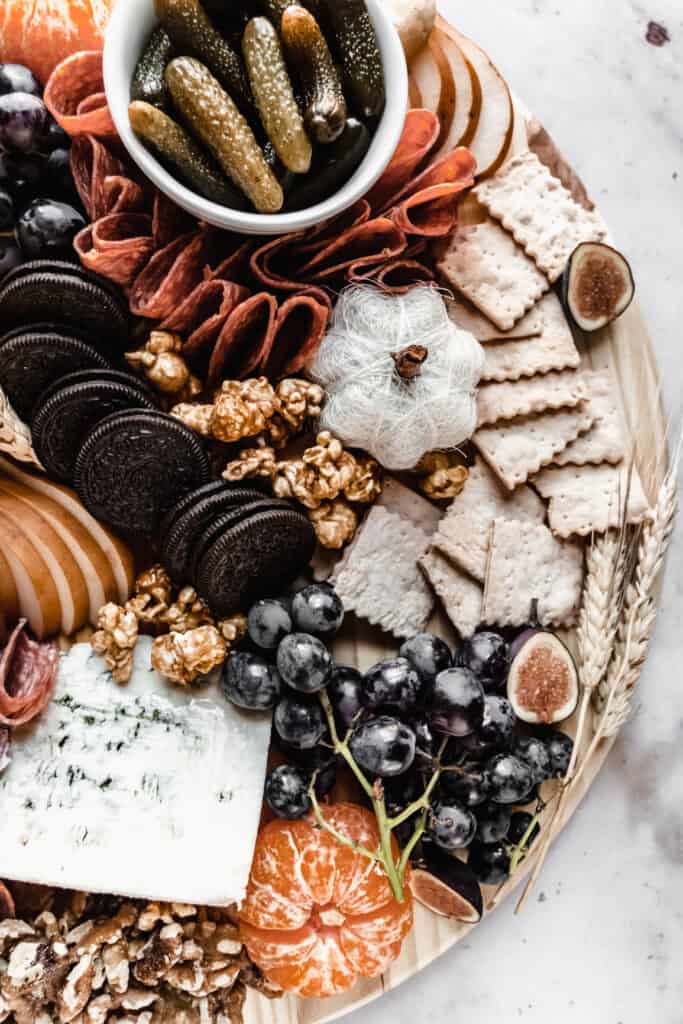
point(15, 437)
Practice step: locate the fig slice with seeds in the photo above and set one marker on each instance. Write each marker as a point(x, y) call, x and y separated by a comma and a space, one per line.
point(543, 683)
point(448, 887)
point(597, 286)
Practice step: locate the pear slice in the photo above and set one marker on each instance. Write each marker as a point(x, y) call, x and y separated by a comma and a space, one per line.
point(39, 601)
point(468, 95)
point(431, 73)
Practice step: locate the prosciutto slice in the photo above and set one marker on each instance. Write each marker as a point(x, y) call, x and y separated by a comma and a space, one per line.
point(28, 671)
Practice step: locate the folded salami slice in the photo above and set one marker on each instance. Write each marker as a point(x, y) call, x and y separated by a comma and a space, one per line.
point(201, 315)
point(170, 275)
point(234, 264)
point(74, 95)
point(321, 235)
point(244, 344)
point(122, 195)
point(169, 221)
point(117, 246)
point(92, 163)
point(274, 264)
point(419, 137)
point(7, 908)
point(299, 329)
point(396, 276)
point(28, 671)
point(456, 168)
point(368, 243)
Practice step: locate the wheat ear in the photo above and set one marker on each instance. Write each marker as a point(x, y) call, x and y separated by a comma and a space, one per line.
point(15, 437)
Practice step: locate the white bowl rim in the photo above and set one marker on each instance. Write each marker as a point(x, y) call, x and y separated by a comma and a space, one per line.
point(383, 146)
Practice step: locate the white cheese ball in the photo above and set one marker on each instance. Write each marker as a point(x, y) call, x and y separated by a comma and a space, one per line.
point(414, 20)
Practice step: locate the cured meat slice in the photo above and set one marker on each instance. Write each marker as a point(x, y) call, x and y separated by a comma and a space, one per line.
point(299, 329)
point(117, 246)
point(428, 206)
point(275, 263)
point(71, 94)
point(91, 165)
point(419, 137)
point(122, 195)
point(28, 672)
point(7, 908)
point(365, 244)
point(397, 276)
point(201, 316)
point(170, 274)
point(322, 234)
point(245, 342)
point(234, 265)
point(169, 221)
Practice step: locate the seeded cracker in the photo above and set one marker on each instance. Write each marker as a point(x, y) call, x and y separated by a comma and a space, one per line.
point(590, 499)
point(463, 533)
point(485, 264)
point(509, 399)
point(604, 442)
point(378, 577)
point(539, 212)
point(468, 318)
point(553, 349)
point(526, 563)
point(460, 595)
point(517, 449)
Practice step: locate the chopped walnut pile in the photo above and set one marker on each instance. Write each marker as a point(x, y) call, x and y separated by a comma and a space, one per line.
point(115, 639)
point(164, 366)
point(439, 478)
point(101, 960)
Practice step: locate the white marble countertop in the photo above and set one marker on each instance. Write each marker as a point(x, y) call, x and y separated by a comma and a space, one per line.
point(601, 941)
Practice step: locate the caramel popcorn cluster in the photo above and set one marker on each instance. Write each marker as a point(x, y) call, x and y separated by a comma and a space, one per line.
point(165, 367)
point(440, 479)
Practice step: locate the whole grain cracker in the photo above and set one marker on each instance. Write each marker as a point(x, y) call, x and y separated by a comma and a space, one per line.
point(460, 595)
point(506, 400)
point(489, 268)
point(527, 564)
point(517, 449)
point(468, 318)
point(553, 349)
point(591, 499)
point(463, 533)
point(539, 212)
point(378, 578)
point(604, 442)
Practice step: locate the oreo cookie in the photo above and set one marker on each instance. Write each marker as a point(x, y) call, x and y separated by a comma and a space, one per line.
point(89, 376)
point(219, 525)
point(31, 360)
point(69, 413)
point(133, 467)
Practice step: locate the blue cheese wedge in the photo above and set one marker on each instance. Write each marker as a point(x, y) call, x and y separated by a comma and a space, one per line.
point(147, 791)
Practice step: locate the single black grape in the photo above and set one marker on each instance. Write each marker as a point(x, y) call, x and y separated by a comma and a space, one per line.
point(286, 791)
point(18, 78)
point(428, 654)
point(58, 177)
point(299, 722)
point(46, 229)
point(268, 622)
point(402, 791)
point(560, 747)
point(498, 724)
point(426, 743)
point(467, 784)
point(534, 752)
point(451, 826)
point(519, 825)
point(21, 176)
point(10, 256)
point(509, 778)
point(24, 122)
point(304, 662)
point(344, 688)
point(248, 681)
point(487, 654)
point(490, 862)
point(392, 685)
point(493, 821)
point(383, 746)
point(318, 610)
point(56, 137)
point(457, 702)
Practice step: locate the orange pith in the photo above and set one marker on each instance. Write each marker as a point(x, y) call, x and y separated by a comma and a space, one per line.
point(318, 914)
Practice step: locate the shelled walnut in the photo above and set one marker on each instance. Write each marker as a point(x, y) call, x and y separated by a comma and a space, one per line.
point(115, 639)
point(165, 367)
point(439, 477)
point(335, 523)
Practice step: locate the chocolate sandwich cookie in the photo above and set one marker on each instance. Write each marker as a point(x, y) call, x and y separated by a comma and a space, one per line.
point(197, 512)
point(134, 466)
point(31, 360)
point(89, 376)
point(219, 525)
point(63, 421)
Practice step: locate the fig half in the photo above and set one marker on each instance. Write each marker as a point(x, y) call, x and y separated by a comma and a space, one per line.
point(597, 286)
point(447, 886)
point(543, 682)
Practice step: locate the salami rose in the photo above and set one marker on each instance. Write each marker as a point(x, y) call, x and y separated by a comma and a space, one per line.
point(28, 671)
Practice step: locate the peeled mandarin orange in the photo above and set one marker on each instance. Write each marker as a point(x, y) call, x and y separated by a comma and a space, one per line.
point(317, 914)
point(40, 33)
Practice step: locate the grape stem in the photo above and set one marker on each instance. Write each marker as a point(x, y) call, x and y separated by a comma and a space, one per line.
point(394, 870)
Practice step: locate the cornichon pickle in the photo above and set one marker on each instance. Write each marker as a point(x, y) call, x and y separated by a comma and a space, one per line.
point(208, 111)
point(335, 166)
point(190, 28)
point(308, 52)
point(148, 78)
point(355, 38)
point(274, 95)
point(175, 147)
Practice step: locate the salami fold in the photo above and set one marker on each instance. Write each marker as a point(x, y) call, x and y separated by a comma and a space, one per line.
point(299, 329)
point(274, 264)
point(170, 275)
point(234, 264)
point(92, 163)
point(117, 246)
point(396, 276)
point(245, 341)
point(168, 221)
point(321, 235)
point(419, 137)
point(427, 206)
point(28, 671)
point(365, 244)
point(74, 95)
point(7, 908)
point(201, 315)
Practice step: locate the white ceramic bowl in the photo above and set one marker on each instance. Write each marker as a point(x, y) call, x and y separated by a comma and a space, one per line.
point(129, 28)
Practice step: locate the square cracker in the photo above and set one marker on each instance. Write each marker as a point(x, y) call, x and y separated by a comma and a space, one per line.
point(378, 578)
point(460, 595)
point(463, 533)
point(517, 449)
point(591, 499)
point(526, 563)
point(553, 349)
point(488, 267)
point(539, 212)
point(604, 442)
point(468, 318)
point(505, 400)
